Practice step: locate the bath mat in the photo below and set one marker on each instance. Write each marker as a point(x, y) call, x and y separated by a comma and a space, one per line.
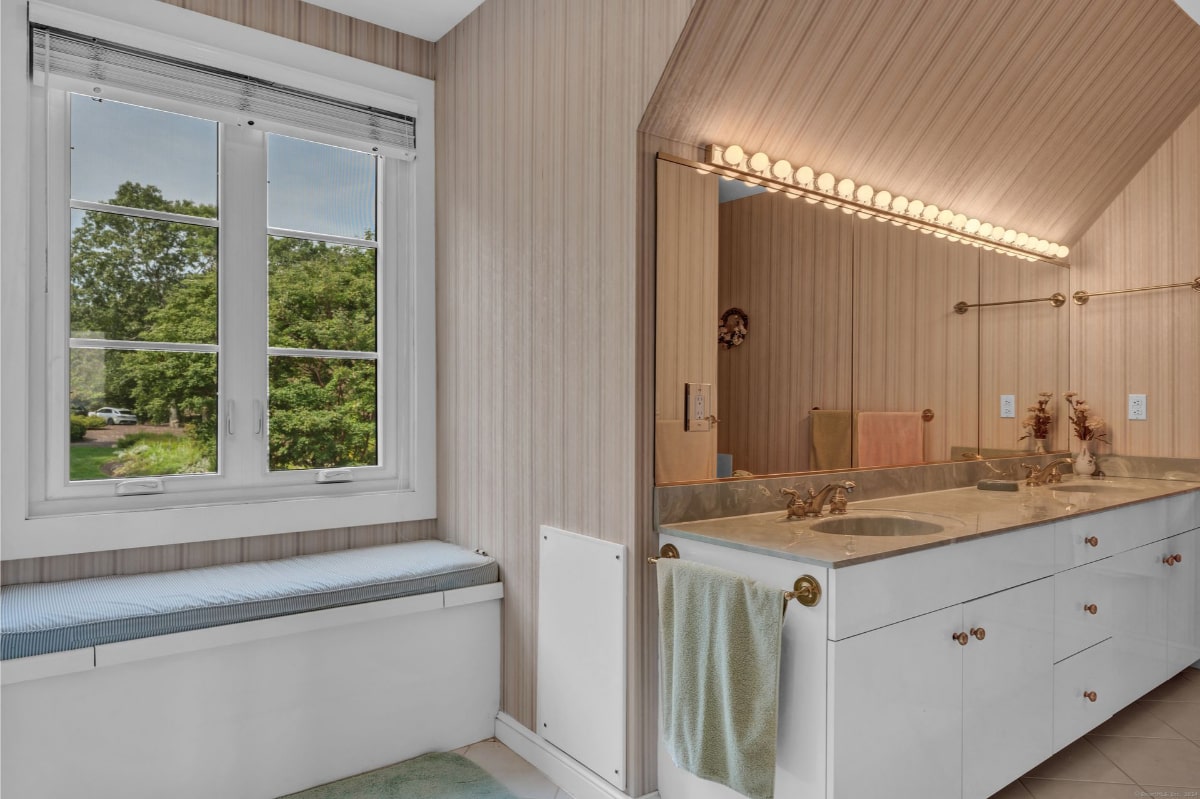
point(441, 775)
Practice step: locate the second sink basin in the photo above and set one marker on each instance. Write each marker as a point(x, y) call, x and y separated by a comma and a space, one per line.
point(876, 525)
point(1090, 488)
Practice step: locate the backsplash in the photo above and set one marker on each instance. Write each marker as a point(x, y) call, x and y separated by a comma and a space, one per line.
point(686, 503)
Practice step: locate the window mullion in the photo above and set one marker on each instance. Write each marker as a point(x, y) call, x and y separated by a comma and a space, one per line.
point(243, 278)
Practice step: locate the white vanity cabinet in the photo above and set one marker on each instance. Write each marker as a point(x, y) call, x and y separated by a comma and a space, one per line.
point(937, 717)
point(1064, 624)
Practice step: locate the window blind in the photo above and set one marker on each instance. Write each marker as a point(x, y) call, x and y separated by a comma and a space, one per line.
point(61, 53)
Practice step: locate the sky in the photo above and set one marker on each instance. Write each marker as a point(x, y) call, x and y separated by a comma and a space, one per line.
point(312, 187)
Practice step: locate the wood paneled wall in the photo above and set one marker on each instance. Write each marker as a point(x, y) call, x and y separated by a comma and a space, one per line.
point(685, 319)
point(789, 265)
point(320, 27)
point(1148, 342)
point(911, 351)
point(542, 346)
point(210, 553)
point(1023, 349)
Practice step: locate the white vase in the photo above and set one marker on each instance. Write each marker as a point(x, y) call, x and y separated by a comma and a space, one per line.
point(1085, 462)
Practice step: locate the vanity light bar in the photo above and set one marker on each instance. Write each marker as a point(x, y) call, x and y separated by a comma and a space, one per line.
point(758, 169)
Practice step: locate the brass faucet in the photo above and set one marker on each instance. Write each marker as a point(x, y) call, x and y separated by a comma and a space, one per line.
point(833, 494)
point(1036, 476)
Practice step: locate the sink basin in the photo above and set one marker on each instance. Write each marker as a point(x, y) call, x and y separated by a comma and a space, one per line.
point(876, 525)
point(1090, 488)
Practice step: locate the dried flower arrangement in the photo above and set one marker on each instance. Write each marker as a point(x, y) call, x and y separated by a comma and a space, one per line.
point(1085, 426)
point(1037, 421)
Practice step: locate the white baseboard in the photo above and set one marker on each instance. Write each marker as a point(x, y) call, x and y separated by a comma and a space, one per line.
point(562, 769)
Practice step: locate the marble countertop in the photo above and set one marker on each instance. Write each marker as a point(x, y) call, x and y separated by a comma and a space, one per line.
point(963, 513)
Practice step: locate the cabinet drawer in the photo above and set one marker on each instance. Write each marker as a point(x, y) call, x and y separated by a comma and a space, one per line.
point(1095, 536)
point(1076, 679)
point(1082, 609)
point(881, 592)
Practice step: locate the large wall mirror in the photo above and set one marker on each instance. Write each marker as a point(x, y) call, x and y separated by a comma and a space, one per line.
point(839, 332)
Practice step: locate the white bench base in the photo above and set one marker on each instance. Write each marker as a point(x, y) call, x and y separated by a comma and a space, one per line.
point(258, 709)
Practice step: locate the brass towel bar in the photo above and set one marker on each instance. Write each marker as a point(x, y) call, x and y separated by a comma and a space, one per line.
point(1080, 297)
point(1055, 299)
point(926, 416)
point(806, 590)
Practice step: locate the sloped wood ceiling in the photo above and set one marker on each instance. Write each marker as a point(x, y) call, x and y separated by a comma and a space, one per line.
point(1030, 114)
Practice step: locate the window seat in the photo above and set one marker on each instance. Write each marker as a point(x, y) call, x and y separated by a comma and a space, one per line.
point(42, 618)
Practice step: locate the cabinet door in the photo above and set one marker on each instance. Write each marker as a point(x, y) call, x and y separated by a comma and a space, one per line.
point(1008, 686)
point(1082, 607)
point(1183, 602)
point(896, 710)
point(1138, 588)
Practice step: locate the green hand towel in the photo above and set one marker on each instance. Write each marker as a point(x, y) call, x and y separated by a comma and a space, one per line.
point(719, 645)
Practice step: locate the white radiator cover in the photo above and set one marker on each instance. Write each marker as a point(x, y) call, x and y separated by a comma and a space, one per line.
point(581, 650)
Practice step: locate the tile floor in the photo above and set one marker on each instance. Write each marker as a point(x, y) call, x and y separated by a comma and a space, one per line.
point(1149, 749)
point(512, 771)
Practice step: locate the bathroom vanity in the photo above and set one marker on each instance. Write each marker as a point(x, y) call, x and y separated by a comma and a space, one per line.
point(947, 662)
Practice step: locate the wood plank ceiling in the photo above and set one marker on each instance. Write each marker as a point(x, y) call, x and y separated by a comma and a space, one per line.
point(1030, 114)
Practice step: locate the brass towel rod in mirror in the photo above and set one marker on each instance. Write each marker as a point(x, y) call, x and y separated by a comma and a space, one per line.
point(1056, 299)
point(1081, 297)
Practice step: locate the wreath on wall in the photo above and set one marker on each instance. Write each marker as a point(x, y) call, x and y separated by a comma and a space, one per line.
point(735, 326)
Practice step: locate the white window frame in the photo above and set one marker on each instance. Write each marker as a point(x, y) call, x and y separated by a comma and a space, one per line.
point(45, 519)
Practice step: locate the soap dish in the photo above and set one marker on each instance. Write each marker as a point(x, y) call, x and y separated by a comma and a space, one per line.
point(997, 485)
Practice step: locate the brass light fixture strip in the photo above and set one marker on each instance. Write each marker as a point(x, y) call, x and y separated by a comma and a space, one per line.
point(1056, 299)
point(1081, 297)
point(857, 207)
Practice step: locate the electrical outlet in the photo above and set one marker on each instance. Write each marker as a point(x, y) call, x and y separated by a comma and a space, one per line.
point(1008, 406)
point(1137, 407)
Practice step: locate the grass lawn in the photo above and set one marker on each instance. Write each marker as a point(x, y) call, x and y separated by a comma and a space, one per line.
point(87, 460)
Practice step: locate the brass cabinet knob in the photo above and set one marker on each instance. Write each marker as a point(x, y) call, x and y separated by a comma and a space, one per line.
point(1178, 558)
point(1089, 696)
point(1171, 560)
point(1091, 609)
point(978, 632)
point(1092, 541)
point(962, 638)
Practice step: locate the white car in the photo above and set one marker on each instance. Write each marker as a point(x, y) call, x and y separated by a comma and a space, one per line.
point(115, 415)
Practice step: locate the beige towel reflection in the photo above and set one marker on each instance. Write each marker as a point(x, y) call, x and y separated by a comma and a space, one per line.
point(680, 456)
point(830, 443)
point(889, 438)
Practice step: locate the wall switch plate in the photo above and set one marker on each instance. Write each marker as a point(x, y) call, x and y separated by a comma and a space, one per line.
point(697, 407)
point(1008, 406)
point(1137, 407)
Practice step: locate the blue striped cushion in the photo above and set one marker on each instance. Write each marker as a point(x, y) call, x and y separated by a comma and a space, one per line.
point(38, 618)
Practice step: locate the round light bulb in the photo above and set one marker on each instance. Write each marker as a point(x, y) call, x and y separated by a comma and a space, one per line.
point(998, 233)
point(883, 199)
point(972, 226)
point(733, 155)
point(759, 162)
point(1063, 251)
point(845, 188)
point(900, 204)
point(781, 169)
point(804, 176)
point(826, 181)
point(1009, 236)
point(1043, 245)
point(945, 216)
point(930, 213)
point(985, 229)
point(1021, 239)
point(915, 207)
point(864, 194)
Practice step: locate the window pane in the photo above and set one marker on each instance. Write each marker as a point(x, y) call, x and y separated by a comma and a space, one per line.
point(321, 296)
point(142, 158)
point(319, 188)
point(323, 413)
point(142, 280)
point(142, 414)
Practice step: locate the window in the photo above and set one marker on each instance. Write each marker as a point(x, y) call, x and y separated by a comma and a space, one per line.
point(233, 284)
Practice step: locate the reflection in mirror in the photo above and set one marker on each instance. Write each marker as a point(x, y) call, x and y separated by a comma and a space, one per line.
point(854, 317)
